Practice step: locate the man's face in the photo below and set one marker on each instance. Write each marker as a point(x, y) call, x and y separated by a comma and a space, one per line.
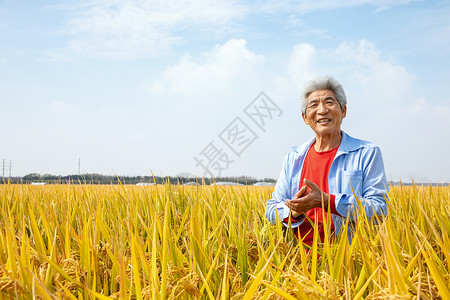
point(323, 113)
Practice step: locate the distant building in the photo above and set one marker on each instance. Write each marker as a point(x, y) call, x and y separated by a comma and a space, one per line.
point(226, 183)
point(264, 184)
point(185, 175)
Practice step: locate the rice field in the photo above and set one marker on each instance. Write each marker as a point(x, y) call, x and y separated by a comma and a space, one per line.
point(211, 242)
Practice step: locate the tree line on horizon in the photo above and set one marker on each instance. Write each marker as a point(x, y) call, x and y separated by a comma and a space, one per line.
point(113, 179)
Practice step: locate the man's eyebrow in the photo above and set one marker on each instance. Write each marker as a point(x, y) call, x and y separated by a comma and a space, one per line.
point(317, 100)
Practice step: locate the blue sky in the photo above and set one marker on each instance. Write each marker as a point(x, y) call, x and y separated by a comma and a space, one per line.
point(131, 87)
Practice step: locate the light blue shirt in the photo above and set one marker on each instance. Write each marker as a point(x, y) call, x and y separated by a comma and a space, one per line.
point(357, 164)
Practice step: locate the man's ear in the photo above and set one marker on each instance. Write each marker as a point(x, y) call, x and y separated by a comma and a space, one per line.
point(304, 119)
point(344, 111)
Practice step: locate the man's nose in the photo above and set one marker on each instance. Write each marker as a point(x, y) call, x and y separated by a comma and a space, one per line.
point(322, 109)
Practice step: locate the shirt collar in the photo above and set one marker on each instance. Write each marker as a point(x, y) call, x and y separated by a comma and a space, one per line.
point(347, 145)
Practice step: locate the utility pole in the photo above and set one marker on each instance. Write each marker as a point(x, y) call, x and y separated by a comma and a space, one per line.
point(3, 167)
point(79, 166)
point(10, 167)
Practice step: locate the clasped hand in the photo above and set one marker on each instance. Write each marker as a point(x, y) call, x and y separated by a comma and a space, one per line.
point(308, 197)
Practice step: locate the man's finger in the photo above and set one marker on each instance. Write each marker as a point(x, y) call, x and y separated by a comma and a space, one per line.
point(301, 192)
point(311, 185)
point(297, 200)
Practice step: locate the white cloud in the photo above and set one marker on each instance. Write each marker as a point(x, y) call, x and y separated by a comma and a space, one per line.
point(300, 65)
point(228, 67)
point(299, 27)
point(387, 81)
point(362, 52)
point(307, 6)
point(128, 29)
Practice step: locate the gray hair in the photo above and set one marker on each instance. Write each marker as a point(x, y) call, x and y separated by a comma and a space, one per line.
point(320, 84)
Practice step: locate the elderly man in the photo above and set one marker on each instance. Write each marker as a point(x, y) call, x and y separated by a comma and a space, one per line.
point(326, 172)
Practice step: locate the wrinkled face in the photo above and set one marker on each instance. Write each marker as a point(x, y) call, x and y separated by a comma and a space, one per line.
point(323, 113)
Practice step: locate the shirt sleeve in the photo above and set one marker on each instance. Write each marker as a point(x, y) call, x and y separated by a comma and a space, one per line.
point(292, 219)
point(276, 207)
point(374, 188)
point(333, 205)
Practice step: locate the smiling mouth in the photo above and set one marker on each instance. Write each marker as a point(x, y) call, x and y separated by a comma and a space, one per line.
point(324, 121)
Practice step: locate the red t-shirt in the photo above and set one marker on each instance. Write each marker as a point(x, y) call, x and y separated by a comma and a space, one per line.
point(315, 169)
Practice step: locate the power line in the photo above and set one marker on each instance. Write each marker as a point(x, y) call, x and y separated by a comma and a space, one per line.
point(8, 167)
